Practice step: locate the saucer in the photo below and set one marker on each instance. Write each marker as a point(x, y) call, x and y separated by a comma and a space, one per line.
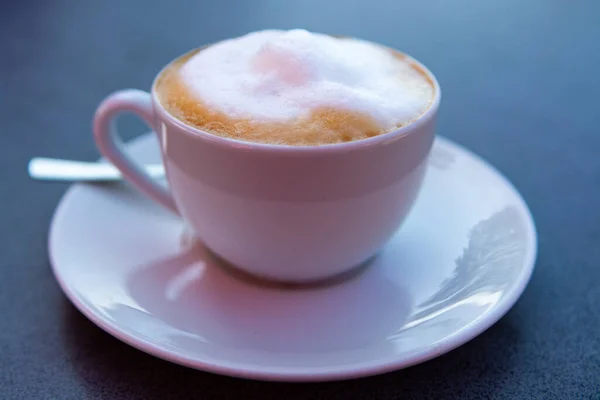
point(460, 261)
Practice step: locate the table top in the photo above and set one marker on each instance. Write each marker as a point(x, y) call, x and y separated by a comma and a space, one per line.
point(520, 87)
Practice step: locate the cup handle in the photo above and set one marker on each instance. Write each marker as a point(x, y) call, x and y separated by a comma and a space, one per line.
point(111, 146)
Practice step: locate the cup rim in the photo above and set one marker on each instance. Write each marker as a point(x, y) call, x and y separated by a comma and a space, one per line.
point(383, 138)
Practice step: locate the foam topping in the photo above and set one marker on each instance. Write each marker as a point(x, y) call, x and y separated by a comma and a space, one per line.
point(274, 75)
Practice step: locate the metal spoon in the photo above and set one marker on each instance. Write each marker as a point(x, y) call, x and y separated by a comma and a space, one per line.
point(53, 169)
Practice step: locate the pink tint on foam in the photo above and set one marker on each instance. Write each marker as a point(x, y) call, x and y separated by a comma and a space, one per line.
point(272, 75)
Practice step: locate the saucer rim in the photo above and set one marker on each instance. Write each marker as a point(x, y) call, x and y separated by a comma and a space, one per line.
point(319, 374)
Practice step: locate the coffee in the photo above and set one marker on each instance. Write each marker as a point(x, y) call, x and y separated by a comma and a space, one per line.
point(295, 88)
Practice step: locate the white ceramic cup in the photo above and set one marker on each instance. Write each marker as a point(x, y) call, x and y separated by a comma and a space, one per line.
point(287, 213)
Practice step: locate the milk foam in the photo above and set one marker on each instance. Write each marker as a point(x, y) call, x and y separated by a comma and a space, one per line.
point(275, 75)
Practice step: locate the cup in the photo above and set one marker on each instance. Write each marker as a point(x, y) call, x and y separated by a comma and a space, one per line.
point(284, 213)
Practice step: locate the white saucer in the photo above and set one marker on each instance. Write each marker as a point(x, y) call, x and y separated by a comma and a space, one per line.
point(462, 259)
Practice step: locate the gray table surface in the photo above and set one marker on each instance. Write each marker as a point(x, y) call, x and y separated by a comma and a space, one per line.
point(521, 87)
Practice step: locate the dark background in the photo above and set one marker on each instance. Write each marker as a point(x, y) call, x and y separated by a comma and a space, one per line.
point(521, 87)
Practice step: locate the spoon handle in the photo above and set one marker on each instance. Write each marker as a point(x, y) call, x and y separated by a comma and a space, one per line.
point(54, 169)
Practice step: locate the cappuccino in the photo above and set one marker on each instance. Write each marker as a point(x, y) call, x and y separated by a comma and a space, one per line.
point(295, 88)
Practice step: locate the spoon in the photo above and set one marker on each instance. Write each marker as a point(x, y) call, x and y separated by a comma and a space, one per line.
point(54, 169)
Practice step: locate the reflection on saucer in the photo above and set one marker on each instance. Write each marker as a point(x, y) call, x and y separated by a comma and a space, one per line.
point(495, 252)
